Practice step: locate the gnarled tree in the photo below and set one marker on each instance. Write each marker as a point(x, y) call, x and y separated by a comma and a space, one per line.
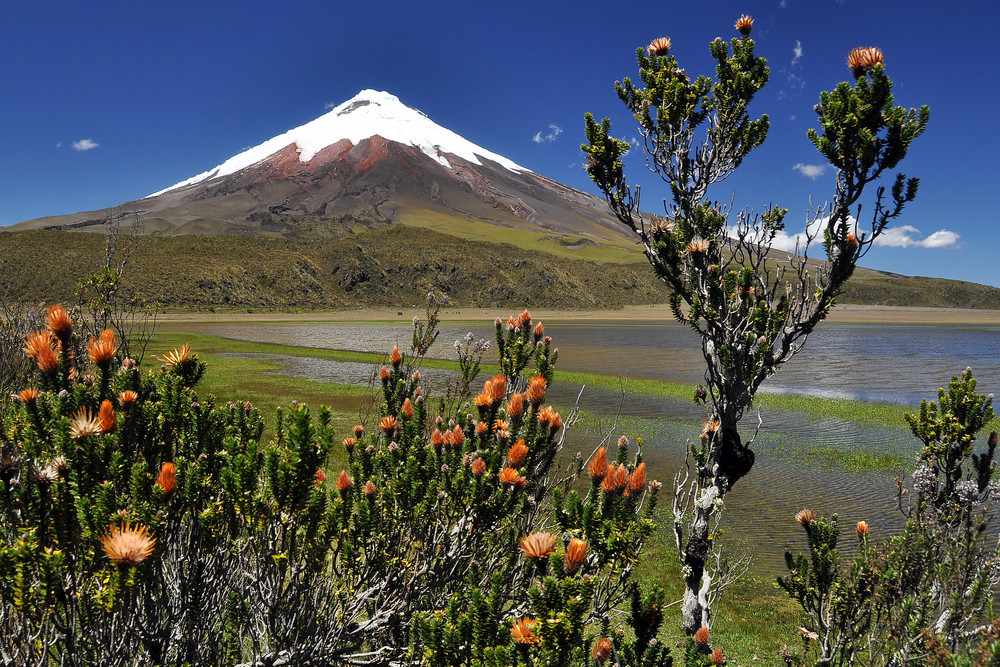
point(753, 308)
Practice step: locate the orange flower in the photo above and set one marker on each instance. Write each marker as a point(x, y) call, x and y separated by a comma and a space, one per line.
point(369, 489)
point(852, 240)
point(127, 545)
point(344, 482)
point(659, 46)
point(701, 636)
point(515, 406)
point(538, 545)
point(457, 436)
point(395, 357)
point(481, 428)
point(349, 443)
point(864, 58)
point(177, 357)
point(547, 416)
point(697, 247)
point(709, 427)
point(359, 431)
point(106, 417)
point(483, 399)
point(84, 424)
point(388, 424)
point(28, 396)
point(539, 331)
point(384, 374)
point(616, 479)
point(744, 24)
point(805, 517)
point(510, 477)
point(536, 390)
point(319, 476)
point(517, 453)
point(127, 399)
point(37, 341)
point(717, 657)
point(637, 480)
point(862, 529)
point(437, 438)
point(407, 409)
point(47, 360)
point(602, 650)
point(598, 467)
point(523, 632)
point(59, 322)
point(478, 466)
point(576, 554)
point(497, 388)
point(166, 479)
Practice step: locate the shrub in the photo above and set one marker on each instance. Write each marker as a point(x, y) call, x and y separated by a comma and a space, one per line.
point(752, 310)
point(142, 523)
point(925, 595)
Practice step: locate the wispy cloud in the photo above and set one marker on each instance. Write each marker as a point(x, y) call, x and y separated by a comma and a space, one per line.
point(329, 105)
point(796, 53)
point(58, 144)
point(549, 136)
point(85, 145)
point(812, 171)
point(782, 4)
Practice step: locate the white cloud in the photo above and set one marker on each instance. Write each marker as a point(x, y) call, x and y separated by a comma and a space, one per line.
point(329, 105)
point(542, 136)
point(85, 145)
point(907, 237)
point(812, 171)
point(796, 53)
point(58, 144)
point(782, 4)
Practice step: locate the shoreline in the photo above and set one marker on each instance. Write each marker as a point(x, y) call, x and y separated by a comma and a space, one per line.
point(844, 314)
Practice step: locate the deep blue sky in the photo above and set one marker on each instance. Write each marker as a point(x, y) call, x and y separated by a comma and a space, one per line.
point(170, 91)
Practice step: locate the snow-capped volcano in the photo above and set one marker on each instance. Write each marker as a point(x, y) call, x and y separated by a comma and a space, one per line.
point(369, 161)
point(369, 113)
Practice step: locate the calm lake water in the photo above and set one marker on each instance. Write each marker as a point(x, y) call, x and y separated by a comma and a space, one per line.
point(897, 363)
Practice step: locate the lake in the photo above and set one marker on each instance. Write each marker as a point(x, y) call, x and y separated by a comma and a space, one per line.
point(897, 363)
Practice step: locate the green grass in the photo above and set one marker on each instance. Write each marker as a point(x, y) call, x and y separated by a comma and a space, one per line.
point(607, 248)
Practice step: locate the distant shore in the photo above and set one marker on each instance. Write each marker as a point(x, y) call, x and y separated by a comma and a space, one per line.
point(845, 314)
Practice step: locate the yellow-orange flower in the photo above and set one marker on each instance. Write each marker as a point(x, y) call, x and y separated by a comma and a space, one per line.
point(478, 466)
point(862, 529)
point(659, 46)
point(106, 417)
point(805, 517)
point(59, 322)
point(744, 24)
point(84, 424)
point(864, 58)
point(395, 357)
point(41, 346)
point(697, 247)
point(539, 331)
point(536, 390)
point(497, 388)
point(166, 479)
point(28, 396)
point(517, 453)
point(602, 650)
point(457, 438)
point(523, 632)
point(598, 466)
point(127, 399)
point(177, 357)
point(538, 545)
point(616, 479)
point(576, 554)
point(388, 424)
point(127, 545)
point(349, 443)
point(344, 481)
point(407, 408)
point(481, 428)
point(515, 406)
point(637, 480)
point(510, 477)
point(103, 348)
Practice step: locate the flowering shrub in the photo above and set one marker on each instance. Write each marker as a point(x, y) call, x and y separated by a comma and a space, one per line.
point(752, 310)
point(925, 595)
point(144, 524)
